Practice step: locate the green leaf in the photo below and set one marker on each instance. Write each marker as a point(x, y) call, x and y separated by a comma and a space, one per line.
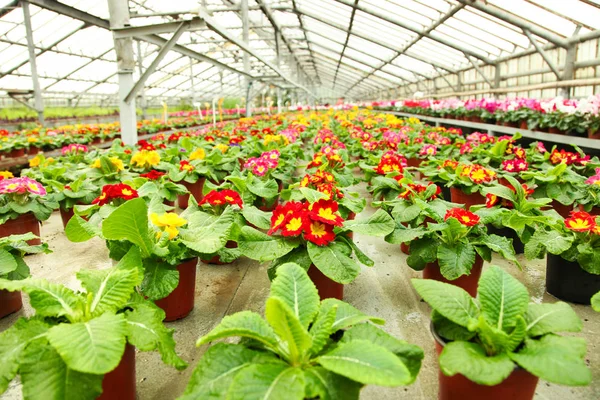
point(268, 382)
point(333, 262)
point(502, 298)
point(448, 329)
point(244, 324)
point(367, 363)
point(555, 359)
point(378, 224)
point(297, 256)
point(145, 330)
point(94, 347)
point(79, 230)
point(13, 342)
point(160, 279)
point(502, 246)
point(456, 260)
point(265, 189)
point(358, 253)
point(293, 286)
point(326, 385)
point(288, 328)
point(217, 368)
point(409, 354)
point(596, 302)
point(262, 247)
point(111, 288)
point(402, 234)
point(130, 222)
point(48, 299)
point(469, 359)
point(256, 217)
point(7, 262)
point(346, 314)
point(311, 195)
point(405, 212)
point(551, 318)
point(517, 335)
point(321, 329)
point(422, 252)
point(451, 301)
point(210, 237)
point(553, 241)
point(46, 376)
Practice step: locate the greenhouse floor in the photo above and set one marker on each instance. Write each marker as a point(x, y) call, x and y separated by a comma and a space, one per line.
point(383, 290)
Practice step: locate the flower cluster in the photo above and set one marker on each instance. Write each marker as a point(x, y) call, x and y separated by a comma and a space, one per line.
point(428, 150)
point(198, 154)
point(115, 161)
point(168, 222)
point(413, 189)
point(581, 221)
point(323, 182)
point(491, 199)
point(184, 165)
point(116, 191)
point(145, 159)
point(478, 174)
point(261, 165)
point(463, 216)
point(227, 196)
point(314, 221)
point(390, 162)
point(74, 149)
point(6, 175)
point(21, 185)
point(152, 175)
point(516, 165)
point(567, 157)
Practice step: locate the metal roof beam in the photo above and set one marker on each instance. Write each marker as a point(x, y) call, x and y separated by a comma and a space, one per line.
point(517, 21)
point(167, 27)
point(474, 64)
point(389, 18)
point(540, 50)
point(68, 75)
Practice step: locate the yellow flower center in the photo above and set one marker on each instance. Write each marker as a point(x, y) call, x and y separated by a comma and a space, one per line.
point(317, 229)
point(327, 213)
point(294, 224)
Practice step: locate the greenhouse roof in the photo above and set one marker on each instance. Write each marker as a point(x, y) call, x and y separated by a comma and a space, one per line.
point(332, 48)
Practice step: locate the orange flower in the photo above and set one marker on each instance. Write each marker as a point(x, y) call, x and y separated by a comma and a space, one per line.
point(580, 221)
point(465, 217)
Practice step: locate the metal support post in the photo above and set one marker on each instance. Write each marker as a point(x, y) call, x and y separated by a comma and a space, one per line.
point(569, 70)
point(474, 64)
point(119, 18)
point(37, 91)
point(540, 50)
point(245, 55)
point(497, 76)
point(141, 70)
point(192, 87)
point(248, 99)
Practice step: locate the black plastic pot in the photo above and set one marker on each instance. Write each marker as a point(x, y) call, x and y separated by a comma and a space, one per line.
point(509, 234)
point(567, 281)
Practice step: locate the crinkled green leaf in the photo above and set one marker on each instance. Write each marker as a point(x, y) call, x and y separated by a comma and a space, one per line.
point(211, 237)
point(288, 328)
point(321, 329)
point(293, 286)
point(160, 279)
point(268, 382)
point(130, 222)
point(262, 247)
point(346, 314)
point(256, 217)
point(456, 260)
point(332, 261)
point(243, 324)
point(111, 288)
point(378, 224)
point(502, 297)
point(7, 262)
point(551, 318)
point(326, 385)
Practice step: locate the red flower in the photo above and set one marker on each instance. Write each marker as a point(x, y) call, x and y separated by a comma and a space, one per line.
point(491, 200)
point(326, 211)
point(283, 213)
point(185, 165)
point(319, 233)
point(465, 217)
point(152, 175)
point(295, 224)
point(580, 221)
point(213, 198)
point(231, 197)
point(117, 191)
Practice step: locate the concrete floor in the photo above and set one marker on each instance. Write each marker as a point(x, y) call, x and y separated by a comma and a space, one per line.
point(383, 290)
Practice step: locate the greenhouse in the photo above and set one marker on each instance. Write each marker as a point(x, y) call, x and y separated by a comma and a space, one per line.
point(300, 199)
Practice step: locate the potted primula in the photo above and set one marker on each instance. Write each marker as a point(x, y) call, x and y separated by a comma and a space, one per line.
point(573, 251)
point(466, 182)
point(311, 235)
point(23, 204)
point(83, 343)
point(256, 183)
point(303, 349)
point(169, 244)
point(13, 268)
point(453, 248)
point(498, 348)
point(80, 191)
point(191, 174)
point(158, 183)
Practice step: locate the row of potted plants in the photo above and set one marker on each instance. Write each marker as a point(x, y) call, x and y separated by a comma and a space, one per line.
point(249, 199)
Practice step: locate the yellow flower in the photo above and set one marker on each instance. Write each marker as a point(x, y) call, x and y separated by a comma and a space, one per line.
point(198, 154)
point(35, 162)
point(222, 147)
point(169, 222)
point(96, 164)
point(145, 159)
point(32, 139)
point(118, 164)
point(6, 174)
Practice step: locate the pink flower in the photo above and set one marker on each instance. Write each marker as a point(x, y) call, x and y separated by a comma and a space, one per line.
point(260, 168)
point(74, 148)
point(21, 186)
point(594, 180)
point(428, 150)
point(540, 147)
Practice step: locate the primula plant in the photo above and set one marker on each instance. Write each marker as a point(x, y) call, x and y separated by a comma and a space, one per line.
point(303, 349)
point(157, 183)
point(312, 233)
point(24, 195)
point(75, 338)
point(486, 340)
point(454, 241)
point(12, 250)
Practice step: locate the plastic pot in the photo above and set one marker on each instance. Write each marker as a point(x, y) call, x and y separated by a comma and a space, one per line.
point(33, 150)
point(563, 210)
point(460, 197)
point(16, 153)
point(556, 131)
point(467, 282)
point(351, 216)
point(66, 215)
point(195, 189)
point(264, 205)
point(25, 223)
point(10, 302)
point(119, 384)
point(593, 133)
point(594, 211)
point(180, 302)
point(328, 289)
point(405, 248)
point(509, 234)
point(523, 125)
point(567, 281)
point(520, 384)
point(216, 260)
